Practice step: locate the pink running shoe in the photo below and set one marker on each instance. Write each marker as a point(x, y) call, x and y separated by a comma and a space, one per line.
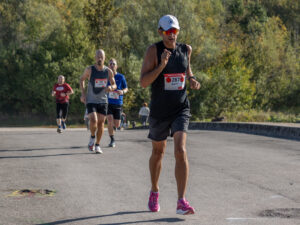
point(183, 207)
point(153, 202)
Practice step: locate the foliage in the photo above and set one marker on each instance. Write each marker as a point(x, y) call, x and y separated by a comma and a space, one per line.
point(261, 116)
point(226, 87)
point(245, 52)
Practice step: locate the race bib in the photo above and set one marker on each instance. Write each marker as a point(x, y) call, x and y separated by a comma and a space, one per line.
point(113, 95)
point(174, 81)
point(60, 88)
point(100, 83)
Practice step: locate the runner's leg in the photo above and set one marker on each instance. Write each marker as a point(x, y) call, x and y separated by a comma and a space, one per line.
point(100, 125)
point(110, 124)
point(58, 116)
point(182, 165)
point(93, 123)
point(65, 109)
point(117, 123)
point(58, 121)
point(155, 162)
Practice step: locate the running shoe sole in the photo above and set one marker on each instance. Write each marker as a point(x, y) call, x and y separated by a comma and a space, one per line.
point(187, 212)
point(154, 211)
point(91, 148)
point(98, 151)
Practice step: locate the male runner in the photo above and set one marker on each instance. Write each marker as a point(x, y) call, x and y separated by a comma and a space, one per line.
point(166, 68)
point(96, 97)
point(115, 102)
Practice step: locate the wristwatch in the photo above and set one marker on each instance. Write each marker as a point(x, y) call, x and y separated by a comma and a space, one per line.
point(192, 77)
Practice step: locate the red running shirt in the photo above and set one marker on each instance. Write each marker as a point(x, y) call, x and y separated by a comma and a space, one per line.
point(62, 88)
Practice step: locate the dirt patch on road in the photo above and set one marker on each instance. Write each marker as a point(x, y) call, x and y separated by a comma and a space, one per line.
point(281, 213)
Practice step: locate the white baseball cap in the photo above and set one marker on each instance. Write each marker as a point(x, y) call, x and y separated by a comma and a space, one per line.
point(168, 21)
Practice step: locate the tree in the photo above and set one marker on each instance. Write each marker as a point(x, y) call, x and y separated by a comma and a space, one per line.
point(99, 14)
point(226, 87)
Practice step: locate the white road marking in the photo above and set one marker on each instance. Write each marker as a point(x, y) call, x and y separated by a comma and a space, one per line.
point(240, 218)
point(276, 196)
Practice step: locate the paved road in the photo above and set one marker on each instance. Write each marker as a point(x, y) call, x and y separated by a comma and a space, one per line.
point(234, 179)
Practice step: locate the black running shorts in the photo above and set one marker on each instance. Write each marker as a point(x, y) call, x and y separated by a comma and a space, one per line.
point(115, 110)
point(98, 108)
point(159, 130)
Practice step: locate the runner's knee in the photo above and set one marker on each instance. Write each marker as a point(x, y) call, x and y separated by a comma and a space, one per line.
point(109, 118)
point(180, 153)
point(158, 153)
point(93, 119)
point(101, 119)
point(117, 123)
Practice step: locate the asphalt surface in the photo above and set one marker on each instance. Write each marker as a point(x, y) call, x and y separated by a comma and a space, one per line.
point(235, 179)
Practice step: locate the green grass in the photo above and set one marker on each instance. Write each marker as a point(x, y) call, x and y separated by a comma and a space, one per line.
point(261, 116)
point(26, 120)
point(78, 122)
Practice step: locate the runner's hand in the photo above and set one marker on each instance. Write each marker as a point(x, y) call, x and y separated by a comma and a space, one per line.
point(165, 57)
point(108, 88)
point(194, 84)
point(120, 92)
point(83, 99)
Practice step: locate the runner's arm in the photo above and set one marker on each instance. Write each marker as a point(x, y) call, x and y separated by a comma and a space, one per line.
point(70, 91)
point(86, 75)
point(112, 81)
point(194, 84)
point(150, 70)
point(123, 91)
point(124, 85)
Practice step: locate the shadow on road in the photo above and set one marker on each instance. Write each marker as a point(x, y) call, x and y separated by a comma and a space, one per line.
point(169, 220)
point(40, 149)
point(41, 156)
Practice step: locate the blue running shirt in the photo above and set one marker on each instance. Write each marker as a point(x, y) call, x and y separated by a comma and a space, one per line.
point(113, 97)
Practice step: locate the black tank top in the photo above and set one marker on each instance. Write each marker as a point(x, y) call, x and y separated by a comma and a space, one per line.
point(168, 91)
